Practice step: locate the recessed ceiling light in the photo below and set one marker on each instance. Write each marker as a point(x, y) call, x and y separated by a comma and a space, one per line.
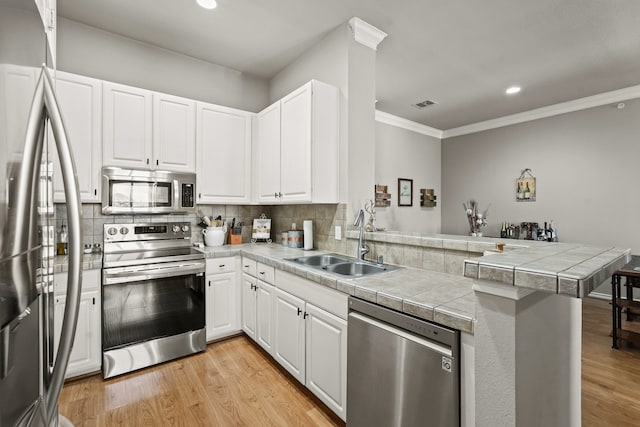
point(512, 90)
point(207, 4)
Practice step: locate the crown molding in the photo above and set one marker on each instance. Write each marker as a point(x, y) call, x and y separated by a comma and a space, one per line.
point(548, 111)
point(396, 121)
point(366, 34)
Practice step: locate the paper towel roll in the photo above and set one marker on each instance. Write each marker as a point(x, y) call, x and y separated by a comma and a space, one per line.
point(307, 227)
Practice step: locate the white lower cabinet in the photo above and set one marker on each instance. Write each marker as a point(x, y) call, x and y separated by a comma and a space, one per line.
point(311, 344)
point(326, 358)
point(222, 298)
point(86, 352)
point(302, 325)
point(249, 305)
point(264, 315)
point(290, 333)
point(257, 303)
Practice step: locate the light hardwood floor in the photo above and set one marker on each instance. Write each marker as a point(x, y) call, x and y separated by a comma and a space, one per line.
point(234, 383)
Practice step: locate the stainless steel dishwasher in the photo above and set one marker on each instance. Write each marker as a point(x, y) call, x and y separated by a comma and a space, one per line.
point(401, 371)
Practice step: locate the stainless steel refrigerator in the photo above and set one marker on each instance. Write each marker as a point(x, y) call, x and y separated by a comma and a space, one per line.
point(31, 128)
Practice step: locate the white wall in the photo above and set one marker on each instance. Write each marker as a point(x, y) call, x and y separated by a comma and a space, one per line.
point(586, 164)
point(401, 153)
point(92, 52)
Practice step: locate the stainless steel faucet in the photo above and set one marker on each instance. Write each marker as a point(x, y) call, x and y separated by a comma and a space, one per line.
point(362, 247)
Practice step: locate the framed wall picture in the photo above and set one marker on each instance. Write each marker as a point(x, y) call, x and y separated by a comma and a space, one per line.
point(526, 187)
point(405, 192)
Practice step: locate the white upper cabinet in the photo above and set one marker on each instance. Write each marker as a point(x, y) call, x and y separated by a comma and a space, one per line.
point(127, 137)
point(298, 143)
point(147, 130)
point(174, 126)
point(267, 161)
point(295, 145)
point(80, 100)
point(223, 146)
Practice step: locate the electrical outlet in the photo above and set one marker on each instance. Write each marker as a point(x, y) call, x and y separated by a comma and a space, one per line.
point(338, 232)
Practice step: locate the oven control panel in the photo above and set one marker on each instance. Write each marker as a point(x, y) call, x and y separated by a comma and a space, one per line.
point(146, 231)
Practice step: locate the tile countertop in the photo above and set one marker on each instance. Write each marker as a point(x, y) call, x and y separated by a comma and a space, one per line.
point(562, 268)
point(439, 297)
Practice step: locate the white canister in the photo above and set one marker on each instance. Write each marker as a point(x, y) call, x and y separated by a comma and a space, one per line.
point(214, 236)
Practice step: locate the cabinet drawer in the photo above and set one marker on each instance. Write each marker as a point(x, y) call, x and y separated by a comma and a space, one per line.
point(220, 265)
point(266, 273)
point(250, 266)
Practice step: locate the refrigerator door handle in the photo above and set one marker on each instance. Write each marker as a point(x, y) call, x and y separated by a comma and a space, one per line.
point(45, 105)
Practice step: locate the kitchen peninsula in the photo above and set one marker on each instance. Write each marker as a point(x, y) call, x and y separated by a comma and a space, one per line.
point(520, 340)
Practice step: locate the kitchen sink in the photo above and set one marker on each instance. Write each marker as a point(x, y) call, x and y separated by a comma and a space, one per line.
point(320, 260)
point(342, 265)
point(356, 269)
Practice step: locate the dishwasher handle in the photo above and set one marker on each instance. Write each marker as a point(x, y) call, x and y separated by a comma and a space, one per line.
point(439, 348)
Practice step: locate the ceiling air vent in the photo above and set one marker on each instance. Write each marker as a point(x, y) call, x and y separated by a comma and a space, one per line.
point(424, 104)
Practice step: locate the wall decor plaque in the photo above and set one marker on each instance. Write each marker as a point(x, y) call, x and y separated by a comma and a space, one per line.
point(526, 187)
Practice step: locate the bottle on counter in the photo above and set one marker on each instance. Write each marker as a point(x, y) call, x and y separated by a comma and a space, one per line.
point(503, 230)
point(63, 241)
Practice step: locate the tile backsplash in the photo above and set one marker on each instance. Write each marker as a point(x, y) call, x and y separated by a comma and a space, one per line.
point(325, 218)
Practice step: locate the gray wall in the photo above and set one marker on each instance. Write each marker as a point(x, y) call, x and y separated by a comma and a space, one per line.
point(586, 164)
point(401, 153)
point(92, 52)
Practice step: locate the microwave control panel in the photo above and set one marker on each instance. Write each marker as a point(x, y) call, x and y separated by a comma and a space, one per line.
point(187, 195)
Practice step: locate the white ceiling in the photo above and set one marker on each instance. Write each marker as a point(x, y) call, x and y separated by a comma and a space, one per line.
point(462, 54)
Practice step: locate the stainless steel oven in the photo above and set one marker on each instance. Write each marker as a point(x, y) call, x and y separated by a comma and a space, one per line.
point(135, 191)
point(153, 296)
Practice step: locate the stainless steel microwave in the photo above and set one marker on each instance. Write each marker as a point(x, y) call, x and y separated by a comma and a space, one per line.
point(145, 192)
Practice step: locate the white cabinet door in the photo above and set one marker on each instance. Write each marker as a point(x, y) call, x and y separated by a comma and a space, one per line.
point(295, 145)
point(85, 354)
point(222, 305)
point(17, 84)
point(80, 100)
point(127, 127)
point(249, 305)
point(174, 129)
point(224, 154)
point(264, 315)
point(290, 333)
point(326, 358)
point(267, 161)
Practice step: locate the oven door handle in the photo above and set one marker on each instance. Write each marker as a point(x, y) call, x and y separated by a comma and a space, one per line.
point(128, 274)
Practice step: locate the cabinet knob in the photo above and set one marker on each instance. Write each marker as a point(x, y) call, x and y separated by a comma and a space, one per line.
point(95, 191)
point(305, 315)
point(147, 161)
point(299, 311)
point(222, 265)
point(209, 283)
point(280, 195)
point(275, 195)
point(157, 163)
point(262, 273)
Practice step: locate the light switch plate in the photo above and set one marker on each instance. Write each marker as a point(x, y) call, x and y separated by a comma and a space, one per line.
point(338, 232)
